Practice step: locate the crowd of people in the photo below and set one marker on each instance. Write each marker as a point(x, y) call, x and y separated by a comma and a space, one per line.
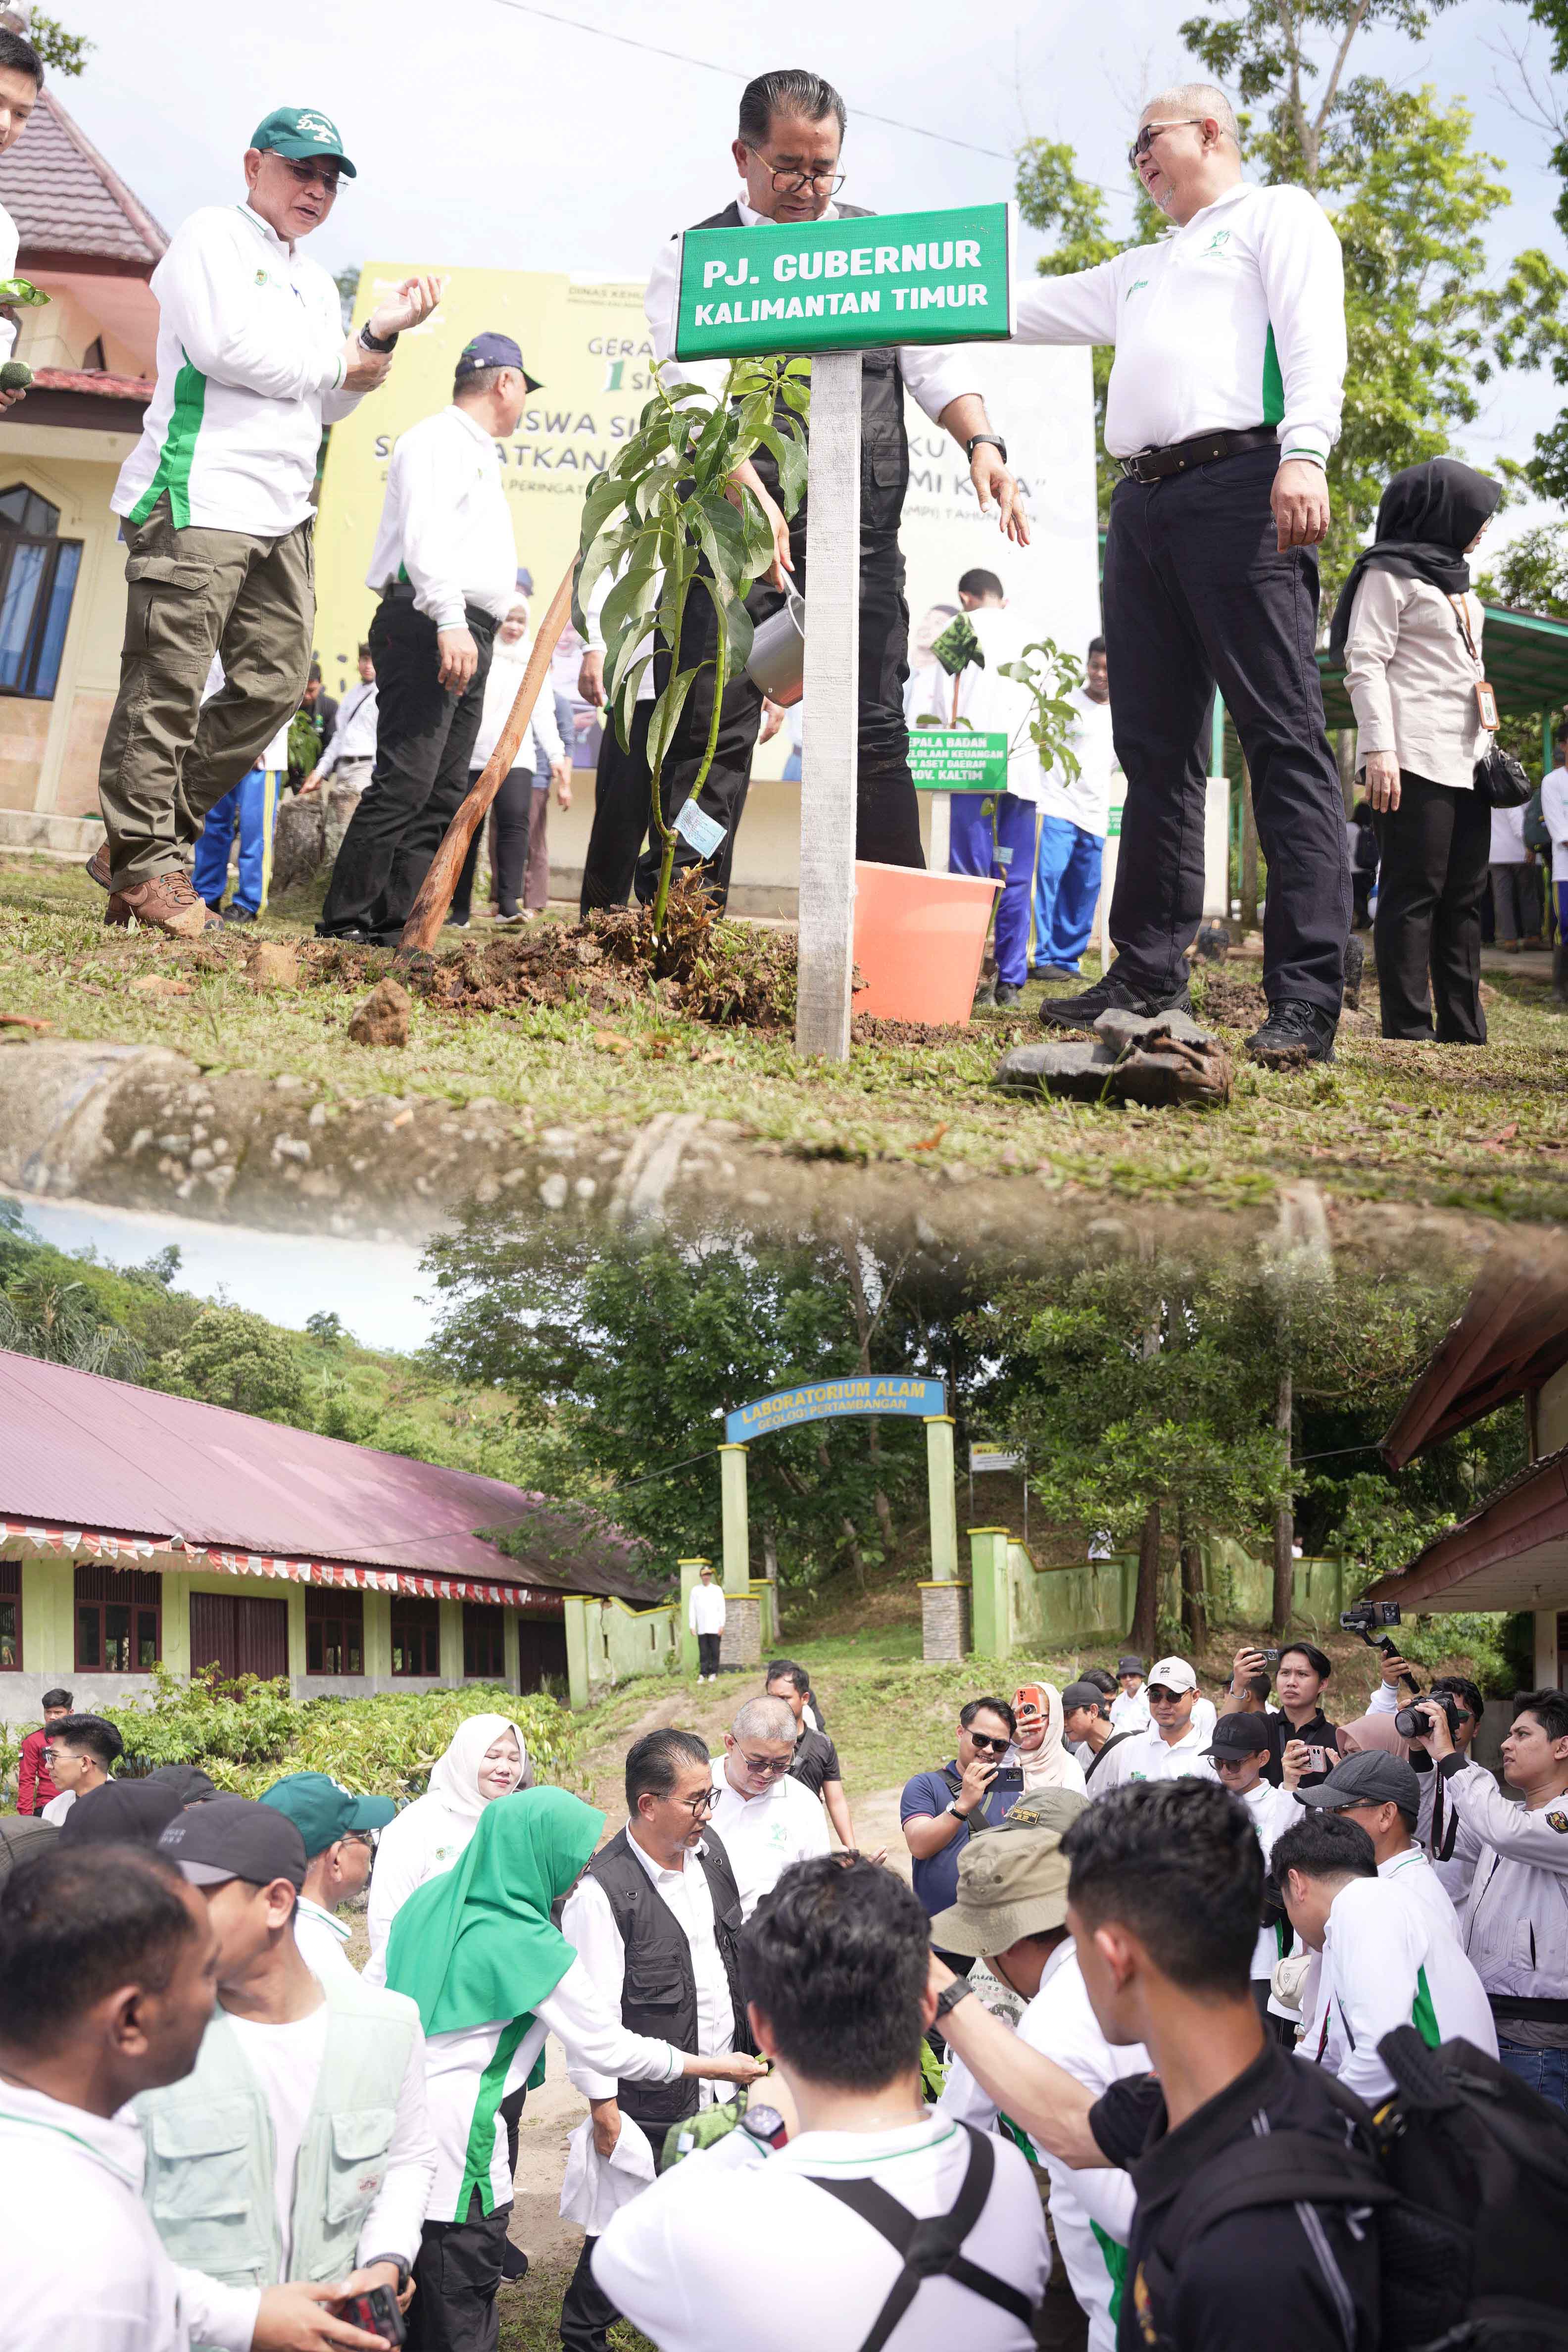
point(1145, 1927)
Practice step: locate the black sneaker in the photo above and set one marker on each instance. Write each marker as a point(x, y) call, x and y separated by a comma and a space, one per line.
point(1007, 992)
point(233, 914)
point(1109, 995)
point(1294, 1035)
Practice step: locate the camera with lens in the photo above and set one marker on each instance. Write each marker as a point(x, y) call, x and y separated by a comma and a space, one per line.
point(1363, 1615)
point(1411, 1724)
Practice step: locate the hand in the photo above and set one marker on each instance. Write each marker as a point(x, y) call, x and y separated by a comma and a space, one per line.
point(1300, 498)
point(978, 1775)
point(879, 1855)
point(1295, 1762)
point(313, 783)
point(297, 2319)
point(746, 478)
point(460, 659)
point(9, 399)
point(412, 304)
point(561, 777)
point(377, 2274)
point(1395, 1670)
point(988, 472)
point(606, 2117)
point(1381, 774)
point(773, 720)
point(1437, 1739)
point(364, 370)
point(734, 2066)
point(590, 678)
point(1247, 1662)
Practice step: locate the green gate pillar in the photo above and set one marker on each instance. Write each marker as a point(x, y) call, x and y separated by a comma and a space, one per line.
point(942, 1499)
point(574, 1609)
point(989, 1618)
point(690, 1569)
point(737, 1526)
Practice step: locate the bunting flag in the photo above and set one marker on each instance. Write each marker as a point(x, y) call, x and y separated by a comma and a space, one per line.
point(174, 1551)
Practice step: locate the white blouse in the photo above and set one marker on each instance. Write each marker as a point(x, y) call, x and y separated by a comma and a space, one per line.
point(1412, 677)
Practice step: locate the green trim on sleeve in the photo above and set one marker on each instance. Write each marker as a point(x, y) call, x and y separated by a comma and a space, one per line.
point(1273, 384)
point(174, 470)
point(1114, 2255)
point(1422, 2016)
point(479, 2154)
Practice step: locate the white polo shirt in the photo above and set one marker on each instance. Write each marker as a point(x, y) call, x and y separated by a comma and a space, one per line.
point(1129, 1709)
point(1412, 1873)
point(1236, 320)
point(323, 1938)
point(1384, 1964)
point(763, 1835)
point(1148, 1757)
point(445, 524)
point(734, 2248)
point(588, 1923)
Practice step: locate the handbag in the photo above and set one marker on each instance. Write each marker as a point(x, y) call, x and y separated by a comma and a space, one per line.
point(1500, 780)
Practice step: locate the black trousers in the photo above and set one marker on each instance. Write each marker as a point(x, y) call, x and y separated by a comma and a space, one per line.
point(708, 1653)
point(457, 2271)
point(511, 809)
point(886, 811)
point(1435, 847)
point(588, 2315)
point(423, 739)
point(622, 810)
point(1196, 594)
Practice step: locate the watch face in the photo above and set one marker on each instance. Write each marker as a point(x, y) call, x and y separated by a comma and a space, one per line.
point(765, 2124)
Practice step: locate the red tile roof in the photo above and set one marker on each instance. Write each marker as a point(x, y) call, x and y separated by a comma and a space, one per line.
point(95, 380)
point(77, 1451)
point(65, 199)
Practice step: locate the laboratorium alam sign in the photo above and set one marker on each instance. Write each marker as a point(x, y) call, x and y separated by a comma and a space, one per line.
point(834, 1401)
point(957, 760)
point(845, 285)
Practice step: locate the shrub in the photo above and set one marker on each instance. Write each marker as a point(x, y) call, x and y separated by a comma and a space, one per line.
point(1472, 1643)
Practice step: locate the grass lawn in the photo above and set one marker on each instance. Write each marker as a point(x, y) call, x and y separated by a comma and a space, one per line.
point(530, 2314)
point(1426, 1125)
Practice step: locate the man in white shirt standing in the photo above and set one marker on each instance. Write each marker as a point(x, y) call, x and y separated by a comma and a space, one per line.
point(337, 1827)
point(21, 80)
point(787, 153)
point(1224, 404)
point(1381, 1794)
point(1176, 1738)
point(705, 1616)
point(444, 566)
point(349, 752)
point(765, 1818)
point(83, 1750)
point(655, 1920)
point(1073, 819)
point(1130, 1708)
point(218, 504)
point(1237, 1754)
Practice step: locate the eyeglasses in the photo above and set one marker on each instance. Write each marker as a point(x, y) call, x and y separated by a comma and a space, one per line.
point(987, 1745)
point(769, 1768)
point(791, 180)
point(1151, 131)
point(702, 1802)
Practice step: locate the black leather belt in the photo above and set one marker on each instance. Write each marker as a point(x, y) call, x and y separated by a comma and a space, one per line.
point(1159, 465)
point(1505, 2005)
point(403, 592)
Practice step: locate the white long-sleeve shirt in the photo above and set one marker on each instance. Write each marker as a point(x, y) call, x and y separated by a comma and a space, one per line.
point(1412, 677)
point(589, 1926)
point(1384, 1964)
point(1413, 1875)
point(705, 1610)
point(423, 1840)
point(1515, 1926)
point(507, 666)
point(1554, 810)
point(250, 368)
point(444, 526)
point(1235, 319)
point(353, 737)
point(937, 374)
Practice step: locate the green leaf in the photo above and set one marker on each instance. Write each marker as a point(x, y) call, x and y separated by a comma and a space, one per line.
point(665, 716)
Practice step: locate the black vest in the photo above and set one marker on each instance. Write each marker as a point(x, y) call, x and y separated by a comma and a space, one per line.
point(659, 1996)
point(884, 444)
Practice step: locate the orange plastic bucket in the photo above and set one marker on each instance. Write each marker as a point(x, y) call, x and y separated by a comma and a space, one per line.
point(920, 940)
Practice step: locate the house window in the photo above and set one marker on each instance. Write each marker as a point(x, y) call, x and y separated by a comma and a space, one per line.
point(415, 1636)
point(484, 1641)
point(10, 1615)
point(335, 1632)
point(37, 580)
point(119, 1621)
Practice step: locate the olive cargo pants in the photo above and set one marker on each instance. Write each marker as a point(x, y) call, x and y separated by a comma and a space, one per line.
point(167, 757)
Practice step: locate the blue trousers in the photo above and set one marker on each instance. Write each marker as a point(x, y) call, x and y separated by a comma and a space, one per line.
point(1545, 2071)
point(1066, 886)
point(251, 805)
point(1009, 859)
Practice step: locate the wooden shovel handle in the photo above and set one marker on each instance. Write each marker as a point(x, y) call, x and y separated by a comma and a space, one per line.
point(429, 912)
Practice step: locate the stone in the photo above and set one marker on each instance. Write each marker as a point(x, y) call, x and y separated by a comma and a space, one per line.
point(1032, 1069)
point(272, 963)
point(298, 841)
point(1118, 1028)
point(1157, 1062)
point(382, 1018)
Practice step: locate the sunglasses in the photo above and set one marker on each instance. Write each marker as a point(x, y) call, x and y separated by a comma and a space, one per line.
point(1160, 1696)
point(1151, 131)
point(987, 1745)
point(766, 1767)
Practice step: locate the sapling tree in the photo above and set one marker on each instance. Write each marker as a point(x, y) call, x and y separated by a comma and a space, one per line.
point(669, 519)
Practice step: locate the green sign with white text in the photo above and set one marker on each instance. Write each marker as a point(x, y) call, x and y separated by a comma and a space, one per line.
point(956, 760)
point(845, 285)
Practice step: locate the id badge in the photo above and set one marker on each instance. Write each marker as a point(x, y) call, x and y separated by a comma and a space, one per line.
point(1486, 703)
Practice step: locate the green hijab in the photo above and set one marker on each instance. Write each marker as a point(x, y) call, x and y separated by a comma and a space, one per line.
point(477, 1943)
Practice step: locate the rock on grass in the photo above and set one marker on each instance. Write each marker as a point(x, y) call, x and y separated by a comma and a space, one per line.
point(382, 1018)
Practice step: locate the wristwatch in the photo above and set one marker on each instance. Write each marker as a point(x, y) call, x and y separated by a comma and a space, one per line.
point(765, 2124)
point(996, 441)
point(954, 1809)
point(950, 1996)
point(379, 343)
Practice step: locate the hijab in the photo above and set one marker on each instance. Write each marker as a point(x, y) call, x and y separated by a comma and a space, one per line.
point(1428, 517)
point(121, 1812)
point(455, 1777)
point(1045, 1766)
point(478, 1942)
point(188, 1782)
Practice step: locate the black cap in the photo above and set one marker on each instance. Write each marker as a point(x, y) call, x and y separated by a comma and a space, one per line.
point(1079, 1694)
point(233, 1837)
point(1240, 1735)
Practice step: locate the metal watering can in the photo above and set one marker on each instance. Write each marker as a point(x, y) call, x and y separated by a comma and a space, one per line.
point(777, 660)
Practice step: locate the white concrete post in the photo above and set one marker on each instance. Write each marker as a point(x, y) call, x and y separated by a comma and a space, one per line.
point(832, 694)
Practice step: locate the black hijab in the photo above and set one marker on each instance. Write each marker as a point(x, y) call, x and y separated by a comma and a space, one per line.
point(121, 1812)
point(1428, 517)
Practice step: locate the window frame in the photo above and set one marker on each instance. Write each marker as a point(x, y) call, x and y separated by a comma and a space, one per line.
point(139, 1605)
point(492, 1621)
point(425, 1615)
point(12, 541)
point(340, 1606)
point(11, 1594)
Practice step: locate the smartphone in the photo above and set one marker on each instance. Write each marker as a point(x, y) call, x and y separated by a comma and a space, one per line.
point(1316, 1759)
point(376, 2311)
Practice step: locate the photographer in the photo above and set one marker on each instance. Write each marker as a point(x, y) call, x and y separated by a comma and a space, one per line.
point(1450, 1846)
point(1515, 1924)
point(937, 1809)
point(1300, 1672)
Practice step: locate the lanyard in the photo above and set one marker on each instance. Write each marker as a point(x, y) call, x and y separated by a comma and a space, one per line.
point(1486, 699)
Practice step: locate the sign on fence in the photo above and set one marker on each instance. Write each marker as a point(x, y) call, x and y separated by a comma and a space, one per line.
point(833, 1400)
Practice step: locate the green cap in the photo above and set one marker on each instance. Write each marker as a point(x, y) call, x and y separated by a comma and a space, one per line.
point(300, 131)
point(323, 1811)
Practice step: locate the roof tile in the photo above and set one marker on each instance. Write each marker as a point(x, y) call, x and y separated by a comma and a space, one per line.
point(65, 198)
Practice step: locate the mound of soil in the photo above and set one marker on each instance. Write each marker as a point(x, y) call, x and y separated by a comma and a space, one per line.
point(1225, 1002)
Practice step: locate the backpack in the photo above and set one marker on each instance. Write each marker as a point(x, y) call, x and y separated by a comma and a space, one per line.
point(1464, 2173)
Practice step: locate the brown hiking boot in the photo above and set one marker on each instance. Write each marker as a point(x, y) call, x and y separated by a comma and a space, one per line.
point(98, 866)
point(166, 903)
